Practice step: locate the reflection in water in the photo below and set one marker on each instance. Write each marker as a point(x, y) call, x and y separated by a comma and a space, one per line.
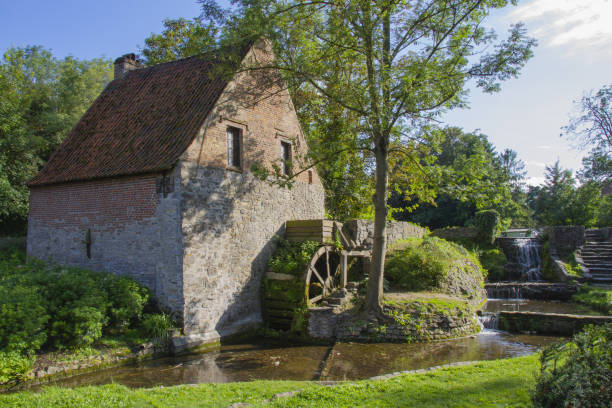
point(356, 361)
point(346, 361)
point(540, 306)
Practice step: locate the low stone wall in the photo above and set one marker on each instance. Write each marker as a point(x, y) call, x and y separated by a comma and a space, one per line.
point(565, 239)
point(456, 233)
point(547, 323)
point(531, 290)
point(362, 232)
point(398, 325)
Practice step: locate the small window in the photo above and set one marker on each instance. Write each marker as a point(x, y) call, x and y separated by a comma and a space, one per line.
point(309, 176)
point(233, 147)
point(286, 158)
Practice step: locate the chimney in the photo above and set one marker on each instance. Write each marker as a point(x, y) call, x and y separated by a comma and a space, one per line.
point(125, 64)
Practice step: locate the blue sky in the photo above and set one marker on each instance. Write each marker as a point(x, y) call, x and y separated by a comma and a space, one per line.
point(573, 56)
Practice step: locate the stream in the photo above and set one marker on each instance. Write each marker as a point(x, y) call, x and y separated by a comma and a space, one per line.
point(267, 360)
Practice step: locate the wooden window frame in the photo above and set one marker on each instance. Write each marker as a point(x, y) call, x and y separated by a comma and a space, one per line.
point(231, 154)
point(286, 156)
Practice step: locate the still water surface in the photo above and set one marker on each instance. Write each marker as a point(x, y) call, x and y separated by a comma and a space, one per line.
point(343, 361)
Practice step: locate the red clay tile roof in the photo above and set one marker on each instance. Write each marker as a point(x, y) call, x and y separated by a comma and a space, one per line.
point(140, 123)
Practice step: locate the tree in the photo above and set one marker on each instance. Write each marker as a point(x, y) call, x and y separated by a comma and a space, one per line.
point(596, 167)
point(406, 61)
point(560, 202)
point(181, 38)
point(473, 178)
point(593, 125)
point(41, 99)
point(513, 168)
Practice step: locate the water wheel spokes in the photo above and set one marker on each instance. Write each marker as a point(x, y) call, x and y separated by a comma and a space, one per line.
point(321, 276)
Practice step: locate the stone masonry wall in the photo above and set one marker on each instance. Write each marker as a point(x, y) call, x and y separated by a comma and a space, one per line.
point(362, 232)
point(230, 221)
point(134, 230)
point(565, 239)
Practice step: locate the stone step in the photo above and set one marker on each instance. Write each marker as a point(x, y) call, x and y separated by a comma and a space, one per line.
point(596, 253)
point(602, 257)
point(601, 264)
point(600, 269)
point(602, 280)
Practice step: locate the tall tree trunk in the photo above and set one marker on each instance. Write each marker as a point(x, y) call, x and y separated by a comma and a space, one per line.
point(375, 285)
point(374, 295)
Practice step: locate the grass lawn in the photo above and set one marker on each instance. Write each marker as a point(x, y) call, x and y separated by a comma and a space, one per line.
point(500, 383)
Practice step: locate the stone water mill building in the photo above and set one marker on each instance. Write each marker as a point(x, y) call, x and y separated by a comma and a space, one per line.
point(154, 182)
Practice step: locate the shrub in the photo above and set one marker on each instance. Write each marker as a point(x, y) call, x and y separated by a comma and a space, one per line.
point(127, 300)
point(493, 260)
point(14, 367)
point(158, 327)
point(48, 305)
point(577, 373)
point(487, 222)
point(292, 257)
point(424, 264)
point(23, 318)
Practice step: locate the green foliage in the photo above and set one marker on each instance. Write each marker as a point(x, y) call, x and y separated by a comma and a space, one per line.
point(470, 177)
point(488, 224)
point(577, 373)
point(560, 202)
point(14, 367)
point(41, 98)
point(45, 305)
point(596, 298)
point(423, 264)
point(24, 317)
point(292, 257)
point(181, 38)
point(493, 260)
point(127, 300)
point(158, 327)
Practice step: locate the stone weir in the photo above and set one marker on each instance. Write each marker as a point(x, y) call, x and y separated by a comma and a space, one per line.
point(524, 260)
point(531, 290)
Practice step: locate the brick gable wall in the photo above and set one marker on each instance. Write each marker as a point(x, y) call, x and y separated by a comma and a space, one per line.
point(134, 231)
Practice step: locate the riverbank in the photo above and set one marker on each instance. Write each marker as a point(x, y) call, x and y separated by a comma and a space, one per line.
point(488, 383)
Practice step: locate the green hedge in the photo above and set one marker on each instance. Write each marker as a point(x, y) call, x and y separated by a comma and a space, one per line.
point(50, 306)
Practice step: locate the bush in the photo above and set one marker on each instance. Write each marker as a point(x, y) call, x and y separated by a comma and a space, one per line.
point(23, 318)
point(158, 327)
point(127, 300)
point(45, 305)
point(292, 257)
point(14, 367)
point(577, 373)
point(493, 260)
point(429, 264)
point(487, 222)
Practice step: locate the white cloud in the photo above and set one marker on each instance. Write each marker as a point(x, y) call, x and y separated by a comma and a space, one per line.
point(536, 164)
point(544, 147)
point(573, 24)
point(535, 181)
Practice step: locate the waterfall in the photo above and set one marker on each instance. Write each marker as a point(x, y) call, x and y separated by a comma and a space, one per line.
point(528, 257)
point(488, 320)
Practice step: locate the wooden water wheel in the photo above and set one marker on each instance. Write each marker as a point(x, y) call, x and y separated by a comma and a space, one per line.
point(323, 274)
point(285, 297)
